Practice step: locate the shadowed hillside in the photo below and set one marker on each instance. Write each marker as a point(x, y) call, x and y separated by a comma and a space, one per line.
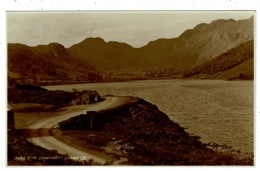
point(47, 62)
point(237, 63)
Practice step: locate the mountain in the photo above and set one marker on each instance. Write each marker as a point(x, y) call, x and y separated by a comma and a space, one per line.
point(236, 63)
point(46, 62)
point(193, 47)
point(93, 59)
point(105, 55)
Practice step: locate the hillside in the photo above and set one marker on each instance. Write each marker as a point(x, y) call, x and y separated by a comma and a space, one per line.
point(193, 47)
point(237, 63)
point(143, 135)
point(46, 63)
point(94, 60)
point(105, 55)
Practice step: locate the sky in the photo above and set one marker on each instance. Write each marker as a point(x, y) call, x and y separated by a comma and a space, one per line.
point(134, 28)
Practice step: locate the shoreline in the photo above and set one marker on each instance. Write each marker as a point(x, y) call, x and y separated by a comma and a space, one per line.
point(151, 79)
point(130, 81)
point(130, 144)
point(127, 144)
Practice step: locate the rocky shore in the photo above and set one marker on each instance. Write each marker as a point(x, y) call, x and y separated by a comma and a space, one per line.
point(135, 133)
point(143, 135)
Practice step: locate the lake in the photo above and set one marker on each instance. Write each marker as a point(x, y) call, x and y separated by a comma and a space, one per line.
point(217, 111)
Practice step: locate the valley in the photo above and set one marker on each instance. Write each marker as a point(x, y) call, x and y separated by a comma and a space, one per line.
point(95, 60)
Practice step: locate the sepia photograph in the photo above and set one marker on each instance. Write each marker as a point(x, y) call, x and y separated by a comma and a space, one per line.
point(131, 88)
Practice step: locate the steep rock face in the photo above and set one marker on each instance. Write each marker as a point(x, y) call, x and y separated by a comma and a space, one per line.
point(202, 43)
point(210, 40)
point(193, 47)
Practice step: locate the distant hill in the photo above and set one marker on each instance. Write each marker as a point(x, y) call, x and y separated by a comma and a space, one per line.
point(237, 63)
point(45, 63)
point(193, 47)
point(93, 59)
point(105, 55)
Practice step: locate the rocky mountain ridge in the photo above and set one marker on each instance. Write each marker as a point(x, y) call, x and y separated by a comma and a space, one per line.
point(93, 59)
point(191, 48)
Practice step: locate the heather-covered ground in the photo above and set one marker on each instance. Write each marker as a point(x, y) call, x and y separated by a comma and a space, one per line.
point(141, 134)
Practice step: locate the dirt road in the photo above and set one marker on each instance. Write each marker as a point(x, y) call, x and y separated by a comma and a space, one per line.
point(49, 142)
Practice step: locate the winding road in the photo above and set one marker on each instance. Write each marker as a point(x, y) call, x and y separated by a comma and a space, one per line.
point(49, 142)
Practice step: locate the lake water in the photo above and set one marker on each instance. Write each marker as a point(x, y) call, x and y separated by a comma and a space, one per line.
point(217, 111)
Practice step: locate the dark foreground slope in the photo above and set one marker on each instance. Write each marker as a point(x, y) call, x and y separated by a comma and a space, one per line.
point(22, 152)
point(148, 137)
point(37, 101)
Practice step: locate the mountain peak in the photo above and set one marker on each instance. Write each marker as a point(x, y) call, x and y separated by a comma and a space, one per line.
point(94, 40)
point(223, 21)
point(116, 43)
point(56, 46)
